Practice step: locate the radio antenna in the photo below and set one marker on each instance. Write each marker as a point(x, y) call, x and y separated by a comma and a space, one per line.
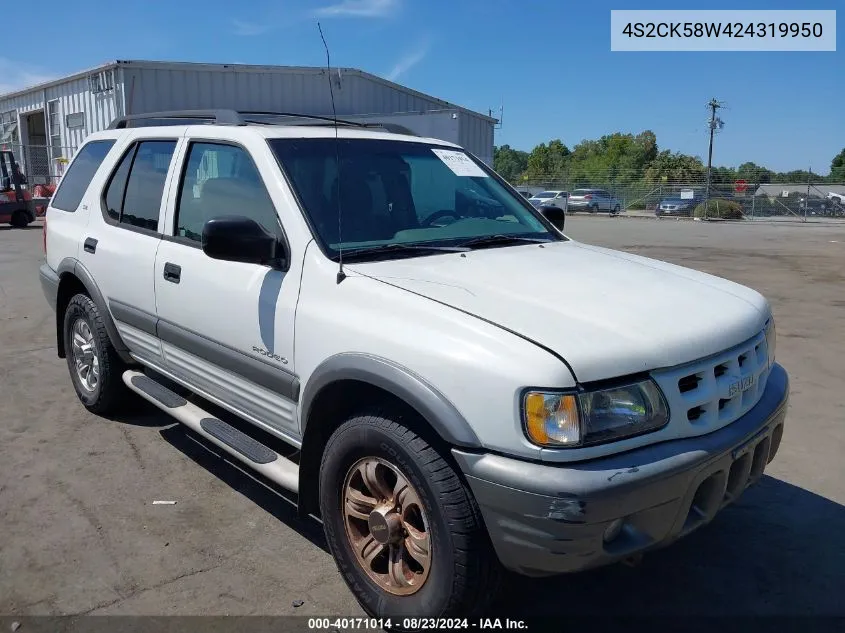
point(340, 274)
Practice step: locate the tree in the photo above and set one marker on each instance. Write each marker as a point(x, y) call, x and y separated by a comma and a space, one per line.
point(753, 173)
point(509, 163)
point(837, 168)
point(675, 168)
point(547, 163)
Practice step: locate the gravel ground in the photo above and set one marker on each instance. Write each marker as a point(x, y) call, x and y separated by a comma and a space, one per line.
point(79, 533)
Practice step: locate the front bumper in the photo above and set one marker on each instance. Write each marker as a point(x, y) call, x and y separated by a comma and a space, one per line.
point(549, 519)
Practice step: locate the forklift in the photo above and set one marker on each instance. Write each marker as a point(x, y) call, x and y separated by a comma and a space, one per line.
point(17, 206)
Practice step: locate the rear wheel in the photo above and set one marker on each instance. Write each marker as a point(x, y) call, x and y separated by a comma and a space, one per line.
point(616, 209)
point(594, 208)
point(19, 219)
point(404, 529)
point(95, 367)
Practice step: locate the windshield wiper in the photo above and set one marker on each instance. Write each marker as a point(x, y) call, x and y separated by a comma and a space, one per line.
point(400, 249)
point(502, 240)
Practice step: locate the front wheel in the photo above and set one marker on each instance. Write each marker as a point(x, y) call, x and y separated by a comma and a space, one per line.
point(404, 529)
point(19, 219)
point(616, 209)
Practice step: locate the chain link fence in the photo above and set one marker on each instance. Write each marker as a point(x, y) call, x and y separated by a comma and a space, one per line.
point(686, 197)
point(40, 164)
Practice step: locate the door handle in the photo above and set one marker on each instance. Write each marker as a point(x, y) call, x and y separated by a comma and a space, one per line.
point(90, 245)
point(172, 273)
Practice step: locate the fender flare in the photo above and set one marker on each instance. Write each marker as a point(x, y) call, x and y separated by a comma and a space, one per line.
point(433, 406)
point(71, 265)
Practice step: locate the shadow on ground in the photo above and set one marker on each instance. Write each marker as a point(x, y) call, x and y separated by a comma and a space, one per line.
point(267, 496)
point(778, 550)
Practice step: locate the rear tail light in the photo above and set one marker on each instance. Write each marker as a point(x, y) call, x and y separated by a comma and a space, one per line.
point(588, 197)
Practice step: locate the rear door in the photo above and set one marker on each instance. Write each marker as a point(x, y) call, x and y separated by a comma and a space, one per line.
point(226, 328)
point(121, 240)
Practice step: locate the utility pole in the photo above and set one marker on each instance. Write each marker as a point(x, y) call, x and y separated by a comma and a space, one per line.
point(807, 203)
point(715, 123)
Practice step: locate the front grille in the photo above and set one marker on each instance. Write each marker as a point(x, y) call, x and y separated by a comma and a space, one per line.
point(713, 392)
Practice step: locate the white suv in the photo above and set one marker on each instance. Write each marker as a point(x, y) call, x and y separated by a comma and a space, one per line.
point(442, 375)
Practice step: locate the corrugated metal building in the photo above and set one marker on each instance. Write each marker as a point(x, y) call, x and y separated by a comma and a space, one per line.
point(52, 119)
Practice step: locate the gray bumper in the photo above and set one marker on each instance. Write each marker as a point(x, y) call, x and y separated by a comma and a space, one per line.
point(548, 519)
point(49, 284)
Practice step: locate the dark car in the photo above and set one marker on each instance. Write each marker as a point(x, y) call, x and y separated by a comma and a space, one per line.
point(677, 206)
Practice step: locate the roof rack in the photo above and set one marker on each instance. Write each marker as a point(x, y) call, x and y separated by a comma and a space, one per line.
point(178, 117)
point(242, 117)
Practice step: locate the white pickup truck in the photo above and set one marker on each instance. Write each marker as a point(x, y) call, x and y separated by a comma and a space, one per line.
point(442, 375)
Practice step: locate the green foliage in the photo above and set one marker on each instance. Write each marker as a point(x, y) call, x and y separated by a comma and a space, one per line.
point(509, 163)
point(837, 168)
point(720, 208)
point(628, 163)
point(547, 162)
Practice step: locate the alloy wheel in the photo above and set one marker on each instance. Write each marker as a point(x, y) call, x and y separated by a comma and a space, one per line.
point(85, 355)
point(387, 527)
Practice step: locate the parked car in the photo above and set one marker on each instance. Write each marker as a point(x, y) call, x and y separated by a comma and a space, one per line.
point(593, 200)
point(677, 206)
point(550, 199)
point(450, 397)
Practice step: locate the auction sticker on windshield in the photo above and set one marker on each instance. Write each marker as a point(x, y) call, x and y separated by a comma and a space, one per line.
point(459, 163)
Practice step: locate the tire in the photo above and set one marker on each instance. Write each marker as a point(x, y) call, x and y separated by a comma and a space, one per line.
point(616, 210)
point(19, 219)
point(101, 388)
point(594, 208)
point(463, 571)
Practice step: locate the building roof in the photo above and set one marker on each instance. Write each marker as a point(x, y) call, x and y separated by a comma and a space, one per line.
point(247, 68)
point(816, 189)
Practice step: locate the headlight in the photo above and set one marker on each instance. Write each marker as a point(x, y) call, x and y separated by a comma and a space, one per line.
point(771, 340)
point(565, 420)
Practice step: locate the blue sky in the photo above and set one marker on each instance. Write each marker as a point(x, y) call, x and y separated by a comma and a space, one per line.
point(547, 61)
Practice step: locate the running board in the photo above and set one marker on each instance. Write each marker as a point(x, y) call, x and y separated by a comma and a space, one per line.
point(246, 449)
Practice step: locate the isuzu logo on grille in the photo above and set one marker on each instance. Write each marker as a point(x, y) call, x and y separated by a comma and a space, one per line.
point(738, 385)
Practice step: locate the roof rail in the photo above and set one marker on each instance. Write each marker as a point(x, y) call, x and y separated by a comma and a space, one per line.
point(179, 117)
point(244, 117)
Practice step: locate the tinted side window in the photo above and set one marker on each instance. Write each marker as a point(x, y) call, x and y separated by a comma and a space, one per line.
point(79, 175)
point(221, 180)
point(117, 185)
point(142, 201)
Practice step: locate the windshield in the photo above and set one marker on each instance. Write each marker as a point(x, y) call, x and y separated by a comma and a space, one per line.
point(399, 192)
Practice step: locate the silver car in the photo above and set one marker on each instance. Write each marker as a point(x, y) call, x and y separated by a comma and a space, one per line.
point(550, 199)
point(593, 200)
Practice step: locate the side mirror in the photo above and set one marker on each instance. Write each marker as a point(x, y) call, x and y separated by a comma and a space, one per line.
point(241, 239)
point(554, 215)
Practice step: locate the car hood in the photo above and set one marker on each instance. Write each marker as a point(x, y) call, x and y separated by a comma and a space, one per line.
point(605, 312)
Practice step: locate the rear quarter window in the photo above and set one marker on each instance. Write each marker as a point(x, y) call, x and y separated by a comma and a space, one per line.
point(75, 182)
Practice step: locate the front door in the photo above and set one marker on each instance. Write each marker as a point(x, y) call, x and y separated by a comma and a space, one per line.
point(226, 328)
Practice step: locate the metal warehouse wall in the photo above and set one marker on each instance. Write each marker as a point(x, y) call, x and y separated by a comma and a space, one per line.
point(455, 126)
point(297, 89)
point(302, 90)
point(156, 86)
point(477, 136)
point(73, 97)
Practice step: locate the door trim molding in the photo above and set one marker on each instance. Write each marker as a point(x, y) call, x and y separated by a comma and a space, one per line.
point(261, 372)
